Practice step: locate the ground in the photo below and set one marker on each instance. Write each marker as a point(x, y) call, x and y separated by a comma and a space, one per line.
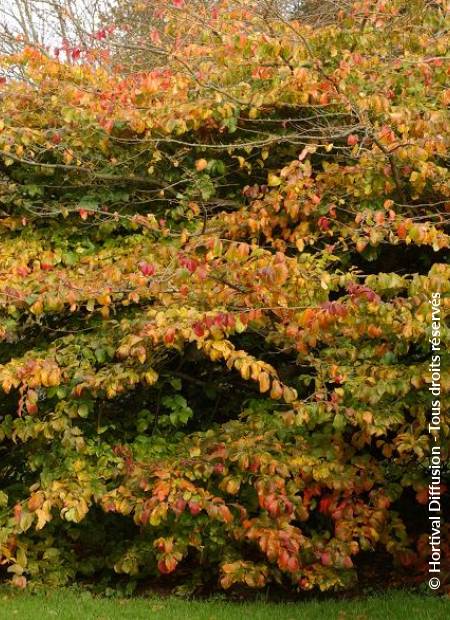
point(70, 604)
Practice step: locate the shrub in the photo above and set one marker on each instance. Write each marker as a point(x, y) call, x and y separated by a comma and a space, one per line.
point(215, 284)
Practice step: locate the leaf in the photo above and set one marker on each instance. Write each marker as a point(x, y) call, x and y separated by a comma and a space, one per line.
point(264, 382)
point(273, 180)
point(83, 410)
point(100, 355)
point(88, 203)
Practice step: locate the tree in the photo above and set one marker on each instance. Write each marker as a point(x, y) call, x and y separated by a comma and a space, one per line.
point(215, 285)
point(48, 23)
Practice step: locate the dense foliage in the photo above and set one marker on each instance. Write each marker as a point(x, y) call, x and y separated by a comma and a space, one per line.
point(215, 279)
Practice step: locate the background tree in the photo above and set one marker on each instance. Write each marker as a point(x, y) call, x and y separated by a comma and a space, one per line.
point(215, 284)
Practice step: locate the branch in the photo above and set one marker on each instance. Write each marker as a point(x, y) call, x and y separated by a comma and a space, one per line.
point(101, 176)
point(395, 173)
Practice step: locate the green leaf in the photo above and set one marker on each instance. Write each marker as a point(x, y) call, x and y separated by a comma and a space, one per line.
point(83, 410)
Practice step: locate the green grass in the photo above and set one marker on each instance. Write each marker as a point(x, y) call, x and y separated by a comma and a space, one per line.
point(70, 604)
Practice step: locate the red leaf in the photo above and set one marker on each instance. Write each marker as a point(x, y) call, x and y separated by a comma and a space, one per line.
point(323, 223)
point(169, 336)
point(198, 329)
point(147, 269)
point(194, 508)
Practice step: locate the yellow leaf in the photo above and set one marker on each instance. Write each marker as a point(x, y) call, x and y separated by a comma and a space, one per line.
point(151, 377)
point(264, 382)
point(273, 180)
point(277, 391)
point(289, 394)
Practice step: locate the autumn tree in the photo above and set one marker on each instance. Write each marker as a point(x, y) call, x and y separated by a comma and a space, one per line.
point(215, 284)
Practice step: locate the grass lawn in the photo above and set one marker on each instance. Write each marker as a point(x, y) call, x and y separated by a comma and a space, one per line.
point(70, 604)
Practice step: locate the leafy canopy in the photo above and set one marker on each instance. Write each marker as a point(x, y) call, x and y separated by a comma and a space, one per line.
point(215, 278)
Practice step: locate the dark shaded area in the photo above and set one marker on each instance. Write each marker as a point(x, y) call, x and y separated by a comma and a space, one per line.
point(401, 259)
